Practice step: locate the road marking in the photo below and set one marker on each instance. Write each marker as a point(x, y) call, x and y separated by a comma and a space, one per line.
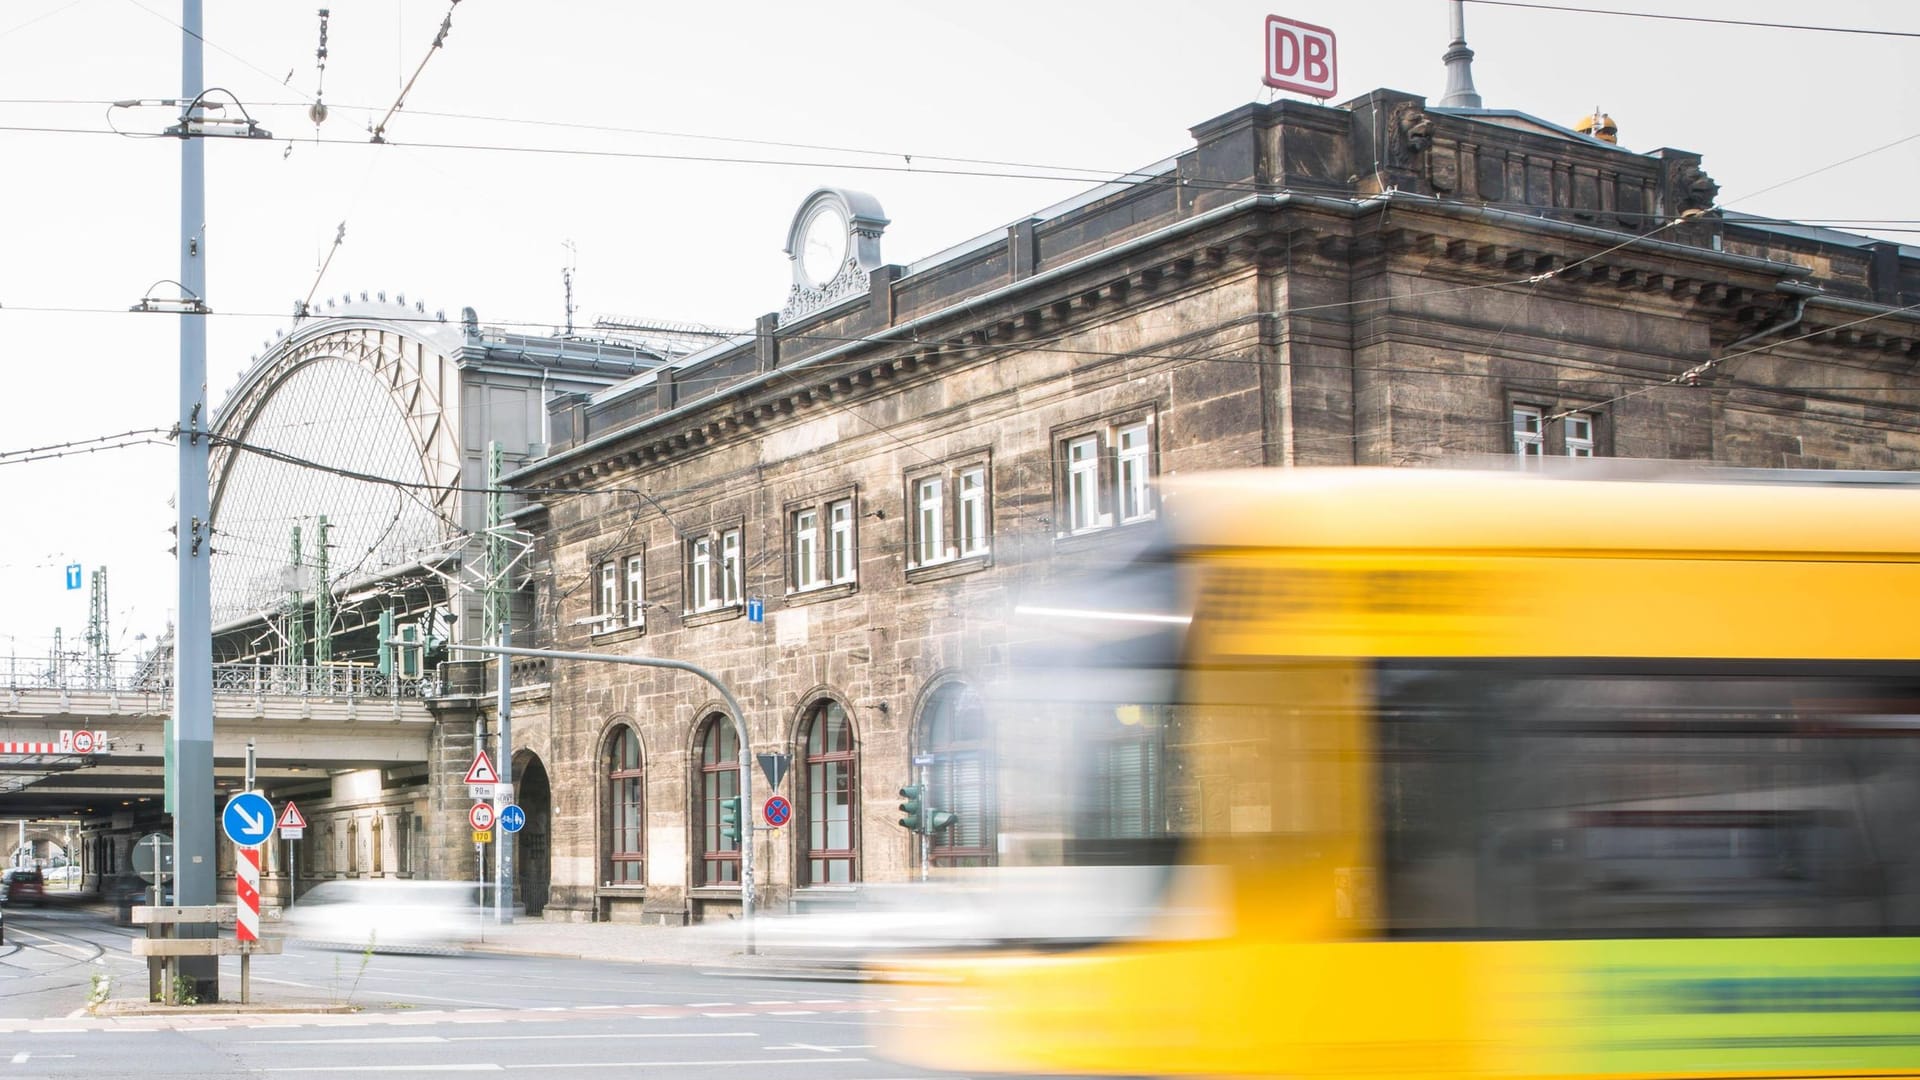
point(396, 1040)
point(793, 1012)
point(53, 943)
point(707, 1004)
point(724, 1015)
point(822, 1049)
point(348, 1042)
point(480, 1067)
point(677, 1064)
point(21, 1057)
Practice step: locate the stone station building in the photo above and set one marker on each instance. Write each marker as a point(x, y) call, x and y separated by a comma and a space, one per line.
point(837, 512)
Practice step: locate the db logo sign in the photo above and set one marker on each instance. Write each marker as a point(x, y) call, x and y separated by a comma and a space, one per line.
point(1300, 57)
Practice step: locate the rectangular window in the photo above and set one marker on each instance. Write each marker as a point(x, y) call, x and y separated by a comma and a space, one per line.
point(1133, 445)
point(636, 590)
point(1529, 431)
point(732, 568)
point(1625, 803)
point(1083, 484)
point(1545, 425)
point(972, 518)
point(606, 602)
point(840, 554)
point(1577, 431)
point(806, 549)
point(1105, 475)
point(930, 540)
point(700, 574)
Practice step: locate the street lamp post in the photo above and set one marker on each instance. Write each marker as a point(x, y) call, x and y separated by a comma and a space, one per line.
point(739, 727)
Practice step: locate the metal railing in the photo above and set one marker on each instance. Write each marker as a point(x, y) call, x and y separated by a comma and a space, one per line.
point(251, 680)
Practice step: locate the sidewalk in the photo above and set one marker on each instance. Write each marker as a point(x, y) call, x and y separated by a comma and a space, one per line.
point(719, 947)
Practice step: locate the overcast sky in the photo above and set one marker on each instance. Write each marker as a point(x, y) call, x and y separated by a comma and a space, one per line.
point(705, 125)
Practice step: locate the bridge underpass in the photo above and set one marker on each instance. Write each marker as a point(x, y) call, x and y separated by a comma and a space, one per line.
point(342, 741)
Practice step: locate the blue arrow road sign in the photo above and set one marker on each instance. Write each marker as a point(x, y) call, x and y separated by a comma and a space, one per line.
point(512, 818)
point(248, 819)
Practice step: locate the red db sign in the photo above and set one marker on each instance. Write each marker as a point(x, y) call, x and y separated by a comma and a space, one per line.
point(1300, 57)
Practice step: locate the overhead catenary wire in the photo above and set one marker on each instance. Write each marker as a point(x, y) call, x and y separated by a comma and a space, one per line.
point(439, 42)
point(1574, 10)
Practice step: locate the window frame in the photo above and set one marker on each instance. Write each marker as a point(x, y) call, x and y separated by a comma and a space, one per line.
point(1557, 419)
point(636, 589)
point(949, 524)
point(972, 529)
point(711, 769)
point(1101, 482)
point(804, 532)
point(825, 563)
point(713, 570)
point(618, 776)
point(943, 772)
point(810, 789)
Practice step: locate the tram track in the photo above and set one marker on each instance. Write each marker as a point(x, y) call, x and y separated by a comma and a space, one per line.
point(46, 957)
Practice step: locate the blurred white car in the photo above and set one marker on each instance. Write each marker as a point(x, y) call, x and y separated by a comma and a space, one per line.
point(385, 916)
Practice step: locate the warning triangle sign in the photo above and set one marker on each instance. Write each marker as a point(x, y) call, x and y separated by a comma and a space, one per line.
point(481, 771)
point(290, 818)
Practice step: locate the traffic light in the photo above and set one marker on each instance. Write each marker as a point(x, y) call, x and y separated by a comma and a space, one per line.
point(730, 818)
point(940, 819)
point(912, 815)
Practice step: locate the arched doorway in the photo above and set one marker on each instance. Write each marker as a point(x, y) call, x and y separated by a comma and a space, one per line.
point(532, 863)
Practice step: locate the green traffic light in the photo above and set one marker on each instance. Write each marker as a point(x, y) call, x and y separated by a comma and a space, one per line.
point(940, 819)
point(730, 818)
point(910, 808)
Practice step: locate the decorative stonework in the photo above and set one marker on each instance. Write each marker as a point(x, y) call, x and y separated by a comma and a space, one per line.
point(802, 299)
point(1689, 186)
point(837, 216)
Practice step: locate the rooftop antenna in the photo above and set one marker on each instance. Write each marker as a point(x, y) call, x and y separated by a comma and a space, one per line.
point(566, 279)
point(1460, 93)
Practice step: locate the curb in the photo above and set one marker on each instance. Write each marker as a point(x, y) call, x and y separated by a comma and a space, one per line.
point(114, 1009)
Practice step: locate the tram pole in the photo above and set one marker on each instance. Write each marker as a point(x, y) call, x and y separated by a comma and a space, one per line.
point(193, 820)
point(739, 726)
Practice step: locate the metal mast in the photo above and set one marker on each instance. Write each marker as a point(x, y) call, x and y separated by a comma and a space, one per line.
point(99, 640)
point(296, 607)
point(498, 610)
point(193, 820)
point(1460, 93)
point(322, 601)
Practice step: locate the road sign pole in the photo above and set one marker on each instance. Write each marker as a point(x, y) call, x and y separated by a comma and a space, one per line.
point(503, 844)
point(926, 836)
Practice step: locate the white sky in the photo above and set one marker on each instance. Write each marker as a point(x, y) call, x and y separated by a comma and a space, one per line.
point(91, 219)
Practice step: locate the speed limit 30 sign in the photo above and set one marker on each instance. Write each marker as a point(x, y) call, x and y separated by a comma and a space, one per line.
point(480, 817)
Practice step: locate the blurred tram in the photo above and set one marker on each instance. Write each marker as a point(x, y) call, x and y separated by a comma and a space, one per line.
point(1372, 773)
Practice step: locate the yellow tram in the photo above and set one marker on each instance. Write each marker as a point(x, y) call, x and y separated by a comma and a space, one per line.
point(1371, 773)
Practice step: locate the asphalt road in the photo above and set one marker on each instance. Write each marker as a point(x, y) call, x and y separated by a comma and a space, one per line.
point(457, 1015)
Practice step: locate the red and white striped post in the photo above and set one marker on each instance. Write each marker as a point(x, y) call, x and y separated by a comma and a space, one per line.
point(247, 885)
point(246, 888)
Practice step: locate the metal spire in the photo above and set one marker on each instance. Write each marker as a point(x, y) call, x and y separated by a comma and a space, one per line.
point(1459, 59)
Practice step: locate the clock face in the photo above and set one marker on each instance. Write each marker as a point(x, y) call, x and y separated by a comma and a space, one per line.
point(823, 247)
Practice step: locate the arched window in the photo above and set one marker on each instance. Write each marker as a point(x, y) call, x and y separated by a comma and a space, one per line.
point(960, 778)
point(626, 786)
point(830, 801)
point(718, 779)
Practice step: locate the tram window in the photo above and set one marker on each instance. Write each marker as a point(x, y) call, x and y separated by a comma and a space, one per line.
point(1520, 802)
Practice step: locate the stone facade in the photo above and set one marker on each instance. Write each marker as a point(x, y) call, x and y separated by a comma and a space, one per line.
point(1379, 283)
